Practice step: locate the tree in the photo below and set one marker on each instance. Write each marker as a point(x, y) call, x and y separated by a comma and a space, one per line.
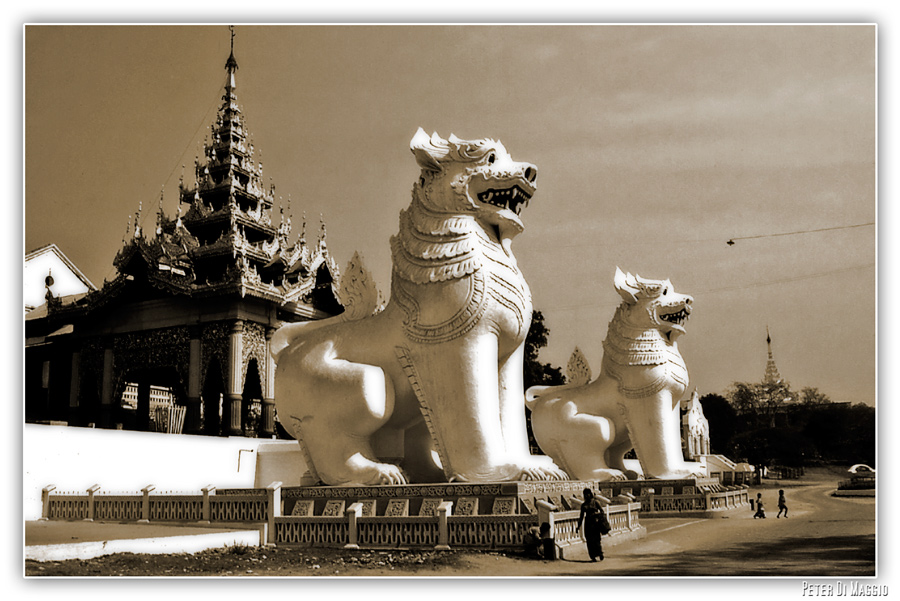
point(759, 403)
point(843, 432)
point(723, 422)
point(811, 396)
point(768, 446)
point(537, 373)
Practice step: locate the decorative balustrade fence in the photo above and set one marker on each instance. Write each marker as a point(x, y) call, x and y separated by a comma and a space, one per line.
point(251, 506)
point(332, 525)
point(730, 498)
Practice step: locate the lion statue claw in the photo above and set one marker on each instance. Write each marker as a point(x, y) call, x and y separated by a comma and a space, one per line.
point(429, 388)
point(588, 426)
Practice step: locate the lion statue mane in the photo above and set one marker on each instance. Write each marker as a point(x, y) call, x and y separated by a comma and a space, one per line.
point(428, 388)
point(587, 427)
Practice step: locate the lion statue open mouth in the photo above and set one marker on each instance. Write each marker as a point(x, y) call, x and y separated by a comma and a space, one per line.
point(430, 388)
point(587, 427)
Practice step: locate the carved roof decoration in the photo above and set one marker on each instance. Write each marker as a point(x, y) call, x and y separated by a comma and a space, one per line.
point(223, 240)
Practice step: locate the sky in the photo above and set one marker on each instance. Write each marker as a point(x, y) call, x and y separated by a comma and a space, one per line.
point(655, 145)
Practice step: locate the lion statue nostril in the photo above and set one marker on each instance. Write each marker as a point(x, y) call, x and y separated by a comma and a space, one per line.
point(531, 174)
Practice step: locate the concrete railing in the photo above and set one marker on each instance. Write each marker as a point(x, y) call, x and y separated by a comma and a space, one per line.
point(207, 507)
point(730, 497)
point(353, 529)
point(623, 520)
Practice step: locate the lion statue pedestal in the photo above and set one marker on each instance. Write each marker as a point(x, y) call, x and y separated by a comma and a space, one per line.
point(374, 396)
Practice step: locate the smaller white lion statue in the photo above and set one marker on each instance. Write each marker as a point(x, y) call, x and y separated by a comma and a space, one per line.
point(588, 427)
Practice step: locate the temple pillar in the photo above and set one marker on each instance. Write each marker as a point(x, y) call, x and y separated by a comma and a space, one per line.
point(192, 415)
point(106, 391)
point(74, 390)
point(233, 397)
point(267, 427)
point(143, 405)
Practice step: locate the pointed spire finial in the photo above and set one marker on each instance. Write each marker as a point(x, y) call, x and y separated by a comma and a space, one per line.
point(231, 65)
point(137, 220)
point(48, 281)
point(772, 376)
point(159, 213)
point(322, 233)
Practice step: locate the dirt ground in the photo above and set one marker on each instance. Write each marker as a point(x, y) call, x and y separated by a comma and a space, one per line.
point(275, 561)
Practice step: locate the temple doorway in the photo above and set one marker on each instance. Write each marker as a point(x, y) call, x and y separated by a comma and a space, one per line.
point(251, 403)
point(211, 401)
point(151, 400)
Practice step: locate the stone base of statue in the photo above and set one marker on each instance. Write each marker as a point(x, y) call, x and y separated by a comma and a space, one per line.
point(441, 515)
point(697, 497)
point(485, 499)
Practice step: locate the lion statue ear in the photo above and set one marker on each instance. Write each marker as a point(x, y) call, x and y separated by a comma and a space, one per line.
point(627, 286)
point(429, 150)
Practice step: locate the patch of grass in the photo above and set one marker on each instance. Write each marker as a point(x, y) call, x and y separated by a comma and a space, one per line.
point(239, 549)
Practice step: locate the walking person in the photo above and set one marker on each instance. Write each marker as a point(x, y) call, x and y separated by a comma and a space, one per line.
point(782, 505)
point(595, 524)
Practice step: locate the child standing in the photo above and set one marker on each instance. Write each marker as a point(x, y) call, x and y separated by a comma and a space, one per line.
point(760, 511)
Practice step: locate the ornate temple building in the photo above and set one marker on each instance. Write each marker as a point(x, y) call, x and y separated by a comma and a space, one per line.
point(192, 307)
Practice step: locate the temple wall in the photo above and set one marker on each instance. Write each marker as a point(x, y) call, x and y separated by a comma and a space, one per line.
point(74, 459)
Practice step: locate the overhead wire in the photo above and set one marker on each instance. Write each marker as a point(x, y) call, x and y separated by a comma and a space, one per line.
point(734, 288)
point(824, 229)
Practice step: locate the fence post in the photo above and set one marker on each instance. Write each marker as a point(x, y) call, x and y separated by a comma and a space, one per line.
point(444, 510)
point(630, 517)
point(273, 510)
point(145, 504)
point(353, 512)
point(90, 492)
point(45, 501)
point(208, 490)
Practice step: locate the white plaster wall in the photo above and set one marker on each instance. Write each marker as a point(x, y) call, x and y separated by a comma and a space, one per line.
point(65, 282)
point(74, 459)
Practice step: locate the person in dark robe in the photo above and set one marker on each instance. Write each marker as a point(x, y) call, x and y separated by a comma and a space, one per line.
point(592, 516)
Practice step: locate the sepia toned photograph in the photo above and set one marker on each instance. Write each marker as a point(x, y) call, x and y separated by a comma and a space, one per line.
point(483, 301)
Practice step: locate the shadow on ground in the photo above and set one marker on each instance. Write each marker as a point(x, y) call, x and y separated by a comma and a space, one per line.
point(822, 556)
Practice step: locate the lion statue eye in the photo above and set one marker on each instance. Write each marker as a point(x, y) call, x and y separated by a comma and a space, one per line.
point(491, 158)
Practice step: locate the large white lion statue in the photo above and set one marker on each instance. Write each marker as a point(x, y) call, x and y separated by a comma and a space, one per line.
point(588, 427)
point(434, 378)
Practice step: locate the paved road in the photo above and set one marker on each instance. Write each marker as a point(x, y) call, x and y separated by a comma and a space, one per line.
point(823, 536)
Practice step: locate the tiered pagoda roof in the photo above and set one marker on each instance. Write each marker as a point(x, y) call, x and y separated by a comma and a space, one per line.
point(222, 241)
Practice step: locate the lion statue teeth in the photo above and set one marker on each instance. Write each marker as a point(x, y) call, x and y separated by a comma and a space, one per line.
point(588, 426)
point(429, 388)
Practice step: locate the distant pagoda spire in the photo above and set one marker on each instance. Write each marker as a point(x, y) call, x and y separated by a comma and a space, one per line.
point(231, 65)
point(772, 375)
